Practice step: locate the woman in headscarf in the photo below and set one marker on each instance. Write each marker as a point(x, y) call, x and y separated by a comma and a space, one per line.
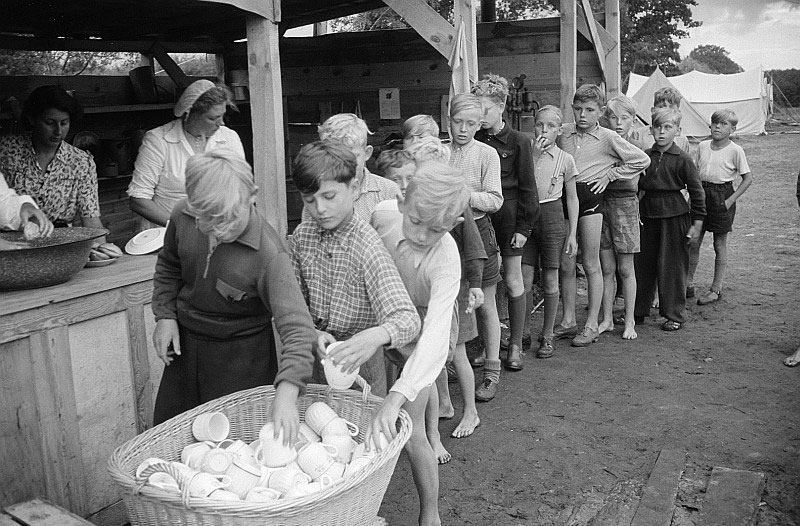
point(158, 178)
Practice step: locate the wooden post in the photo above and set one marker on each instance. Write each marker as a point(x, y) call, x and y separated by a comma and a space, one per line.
point(613, 55)
point(599, 50)
point(219, 61)
point(569, 57)
point(466, 9)
point(266, 113)
point(321, 28)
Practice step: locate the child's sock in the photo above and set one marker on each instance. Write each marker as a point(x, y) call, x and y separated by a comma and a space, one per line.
point(491, 370)
point(516, 318)
point(550, 310)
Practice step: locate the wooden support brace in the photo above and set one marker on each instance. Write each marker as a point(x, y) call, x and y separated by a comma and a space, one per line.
point(597, 43)
point(568, 56)
point(428, 23)
point(173, 70)
point(269, 9)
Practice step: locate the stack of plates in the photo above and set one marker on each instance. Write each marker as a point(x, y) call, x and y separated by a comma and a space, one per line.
point(147, 241)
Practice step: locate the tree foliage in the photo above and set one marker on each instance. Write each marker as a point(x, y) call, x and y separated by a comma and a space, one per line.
point(788, 82)
point(649, 30)
point(715, 58)
point(14, 62)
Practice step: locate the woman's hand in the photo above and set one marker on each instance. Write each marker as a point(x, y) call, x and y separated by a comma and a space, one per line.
point(167, 340)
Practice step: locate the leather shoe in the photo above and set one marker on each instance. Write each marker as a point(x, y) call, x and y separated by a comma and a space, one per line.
point(487, 390)
point(514, 360)
point(587, 337)
point(546, 348)
point(560, 332)
point(477, 361)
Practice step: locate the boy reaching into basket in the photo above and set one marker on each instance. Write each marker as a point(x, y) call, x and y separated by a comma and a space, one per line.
point(416, 235)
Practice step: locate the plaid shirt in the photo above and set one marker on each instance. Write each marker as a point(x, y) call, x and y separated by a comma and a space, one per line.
point(374, 189)
point(350, 283)
point(481, 166)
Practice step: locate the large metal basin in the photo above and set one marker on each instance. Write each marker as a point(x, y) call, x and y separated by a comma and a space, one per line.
point(48, 261)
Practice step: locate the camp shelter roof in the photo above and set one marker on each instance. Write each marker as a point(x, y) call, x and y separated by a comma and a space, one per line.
point(693, 124)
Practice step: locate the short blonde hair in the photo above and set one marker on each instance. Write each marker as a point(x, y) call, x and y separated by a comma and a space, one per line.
point(392, 159)
point(664, 115)
point(725, 114)
point(492, 86)
point(669, 95)
point(550, 110)
point(420, 126)
point(438, 192)
point(429, 149)
point(619, 104)
point(219, 185)
point(465, 102)
point(346, 128)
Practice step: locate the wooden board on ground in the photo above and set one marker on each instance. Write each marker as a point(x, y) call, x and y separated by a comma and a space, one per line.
point(39, 512)
point(5, 520)
point(732, 498)
point(658, 497)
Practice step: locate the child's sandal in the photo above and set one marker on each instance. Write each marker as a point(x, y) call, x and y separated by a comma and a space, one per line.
point(671, 325)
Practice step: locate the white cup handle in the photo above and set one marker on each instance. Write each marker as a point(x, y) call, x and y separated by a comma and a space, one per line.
point(325, 480)
point(352, 427)
point(225, 480)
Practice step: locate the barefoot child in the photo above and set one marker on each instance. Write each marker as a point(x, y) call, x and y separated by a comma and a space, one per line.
point(515, 219)
point(555, 177)
point(429, 263)
point(620, 240)
point(480, 165)
point(348, 280)
point(602, 156)
point(670, 225)
point(719, 162)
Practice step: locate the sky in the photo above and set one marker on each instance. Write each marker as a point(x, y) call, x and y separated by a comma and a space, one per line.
point(755, 32)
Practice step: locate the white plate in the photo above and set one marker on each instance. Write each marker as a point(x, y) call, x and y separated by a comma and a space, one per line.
point(146, 241)
point(101, 263)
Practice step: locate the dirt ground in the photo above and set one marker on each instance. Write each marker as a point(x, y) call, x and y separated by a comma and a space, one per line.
point(571, 440)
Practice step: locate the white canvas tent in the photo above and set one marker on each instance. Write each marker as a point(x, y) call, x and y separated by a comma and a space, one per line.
point(693, 123)
point(745, 93)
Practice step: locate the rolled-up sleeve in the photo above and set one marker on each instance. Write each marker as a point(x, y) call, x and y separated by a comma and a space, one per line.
point(10, 203)
point(149, 164)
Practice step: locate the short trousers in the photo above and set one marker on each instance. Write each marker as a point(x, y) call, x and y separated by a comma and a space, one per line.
point(491, 267)
point(548, 237)
point(467, 325)
point(621, 225)
point(504, 222)
point(399, 357)
point(719, 220)
point(588, 202)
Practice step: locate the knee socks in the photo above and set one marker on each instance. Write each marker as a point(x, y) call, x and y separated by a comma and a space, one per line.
point(550, 309)
point(516, 318)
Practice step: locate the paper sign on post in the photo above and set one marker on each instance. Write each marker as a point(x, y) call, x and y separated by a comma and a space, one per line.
point(389, 103)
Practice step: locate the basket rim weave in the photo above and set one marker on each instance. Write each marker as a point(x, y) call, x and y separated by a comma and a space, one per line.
point(122, 469)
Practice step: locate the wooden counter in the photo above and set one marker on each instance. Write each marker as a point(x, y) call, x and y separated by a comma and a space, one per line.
point(78, 375)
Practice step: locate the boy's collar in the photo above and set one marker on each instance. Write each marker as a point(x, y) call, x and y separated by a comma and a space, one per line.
point(343, 228)
point(250, 237)
point(673, 149)
point(591, 130)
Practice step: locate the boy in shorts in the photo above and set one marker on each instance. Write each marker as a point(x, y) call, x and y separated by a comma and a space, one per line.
point(555, 177)
point(619, 239)
point(348, 279)
point(601, 156)
point(670, 225)
point(719, 161)
point(480, 165)
point(515, 219)
point(428, 261)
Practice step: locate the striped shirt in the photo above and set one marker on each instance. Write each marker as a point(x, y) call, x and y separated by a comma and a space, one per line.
point(350, 282)
point(481, 166)
point(600, 152)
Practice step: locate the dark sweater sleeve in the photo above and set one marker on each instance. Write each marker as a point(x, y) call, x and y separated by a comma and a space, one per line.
point(168, 278)
point(528, 203)
point(697, 196)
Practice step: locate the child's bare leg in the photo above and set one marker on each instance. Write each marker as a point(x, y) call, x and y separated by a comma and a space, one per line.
point(446, 409)
point(720, 261)
point(608, 262)
point(432, 428)
point(569, 289)
point(626, 270)
point(489, 323)
point(424, 467)
point(590, 228)
point(466, 380)
point(694, 259)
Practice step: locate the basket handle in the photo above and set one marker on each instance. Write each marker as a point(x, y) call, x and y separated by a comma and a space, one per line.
point(183, 479)
point(366, 390)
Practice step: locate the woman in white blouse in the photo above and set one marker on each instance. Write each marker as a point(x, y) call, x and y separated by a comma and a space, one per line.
point(158, 178)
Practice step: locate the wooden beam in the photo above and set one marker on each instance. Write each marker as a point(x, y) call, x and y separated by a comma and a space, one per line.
point(173, 70)
point(568, 57)
point(488, 10)
point(269, 9)
point(583, 29)
point(266, 110)
point(140, 368)
point(732, 498)
point(141, 46)
point(465, 9)
point(428, 23)
point(658, 497)
point(613, 57)
point(598, 44)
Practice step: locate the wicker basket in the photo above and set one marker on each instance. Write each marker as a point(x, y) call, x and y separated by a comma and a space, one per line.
point(353, 501)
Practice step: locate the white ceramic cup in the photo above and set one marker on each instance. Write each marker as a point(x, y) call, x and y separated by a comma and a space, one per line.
point(240, 451)
point(163, 481)
point(355, 465)
point(192, 455)
point(223, 494)
point(217, 461)
point(334, 374)
point(244, 477)
point(261, 494)
point(308, 488)
point(339, 426)
point(203, 484)
point(211, 426)
point(344, 445)
point(305, 434)
point(286, 478)
point(271, 451)
point(318, 415)
point(147, 463)
point(316, 458)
